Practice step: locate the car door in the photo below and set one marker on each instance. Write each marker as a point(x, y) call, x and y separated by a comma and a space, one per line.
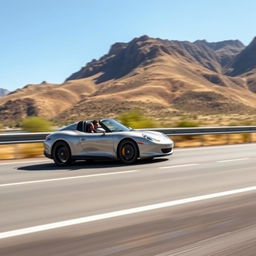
point(97, 145)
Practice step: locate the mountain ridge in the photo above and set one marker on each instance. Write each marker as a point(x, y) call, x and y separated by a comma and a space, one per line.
point(122, 50)
point(162, 77)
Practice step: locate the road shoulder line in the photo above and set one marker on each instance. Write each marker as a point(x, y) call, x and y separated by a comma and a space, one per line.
point(82, 220)
point(65, 178)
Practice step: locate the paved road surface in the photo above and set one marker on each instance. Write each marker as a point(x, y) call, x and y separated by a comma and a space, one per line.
point(199, 201)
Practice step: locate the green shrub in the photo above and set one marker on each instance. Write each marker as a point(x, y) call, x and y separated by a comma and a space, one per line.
point(187, 123)
point(36, 124)
point(233, 124)
point(135, 119)
point(247, 123)
point(13, 124)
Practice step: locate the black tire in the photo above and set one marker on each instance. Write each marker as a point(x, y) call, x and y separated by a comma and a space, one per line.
point(128, 152)
point(62, 154)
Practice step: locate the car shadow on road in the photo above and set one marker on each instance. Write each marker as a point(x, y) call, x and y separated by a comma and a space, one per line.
point(87, 165)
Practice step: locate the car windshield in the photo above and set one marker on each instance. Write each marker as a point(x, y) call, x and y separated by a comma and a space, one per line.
point(114, 126)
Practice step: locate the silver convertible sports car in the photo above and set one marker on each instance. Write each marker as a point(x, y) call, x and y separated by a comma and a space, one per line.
point(112, 141)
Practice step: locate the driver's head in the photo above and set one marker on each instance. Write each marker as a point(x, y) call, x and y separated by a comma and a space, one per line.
point(95, 124)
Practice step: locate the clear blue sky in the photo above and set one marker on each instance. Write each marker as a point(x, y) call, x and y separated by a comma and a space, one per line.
point(50, 39)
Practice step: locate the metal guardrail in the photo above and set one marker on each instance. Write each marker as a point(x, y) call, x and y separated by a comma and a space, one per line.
point(16, 138)
point(205, 130)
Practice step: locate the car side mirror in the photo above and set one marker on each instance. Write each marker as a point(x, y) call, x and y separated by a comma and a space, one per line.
point(101, 130)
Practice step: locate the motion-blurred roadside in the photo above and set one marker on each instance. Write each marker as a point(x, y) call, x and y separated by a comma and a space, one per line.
point(134, 119)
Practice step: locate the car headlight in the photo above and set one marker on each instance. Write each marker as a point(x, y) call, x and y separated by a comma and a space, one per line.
point(150, 138)
point(147, 137)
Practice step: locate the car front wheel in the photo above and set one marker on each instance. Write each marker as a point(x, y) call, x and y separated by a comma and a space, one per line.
point(128, 152)
point(62, 154)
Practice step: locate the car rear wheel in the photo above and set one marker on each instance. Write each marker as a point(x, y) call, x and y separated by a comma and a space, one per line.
point(128, 152)
point(62, 154)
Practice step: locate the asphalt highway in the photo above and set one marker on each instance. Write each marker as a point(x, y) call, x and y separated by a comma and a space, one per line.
point(199, 201)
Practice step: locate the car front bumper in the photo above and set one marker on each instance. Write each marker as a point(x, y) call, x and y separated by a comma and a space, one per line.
point(156, 150)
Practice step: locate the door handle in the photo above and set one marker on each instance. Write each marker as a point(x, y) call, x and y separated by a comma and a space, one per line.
point(82, 139)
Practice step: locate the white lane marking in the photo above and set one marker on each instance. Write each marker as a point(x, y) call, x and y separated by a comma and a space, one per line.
point(66, 223)
point(177, 166)
point(232, 160)
point(25, 162)
point(65, 178)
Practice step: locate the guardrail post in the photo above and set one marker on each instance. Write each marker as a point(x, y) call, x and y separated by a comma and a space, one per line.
point(250, 137)
point(15, 149)
point(227, 138)
point(202, 140)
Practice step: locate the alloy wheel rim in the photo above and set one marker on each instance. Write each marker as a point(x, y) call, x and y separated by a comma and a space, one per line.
point(128, 152)
point(62, 154)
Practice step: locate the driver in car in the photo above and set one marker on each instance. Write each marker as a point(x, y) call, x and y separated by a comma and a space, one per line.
point(95, 125)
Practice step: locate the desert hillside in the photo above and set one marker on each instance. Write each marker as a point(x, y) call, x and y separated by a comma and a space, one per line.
point(161, 77)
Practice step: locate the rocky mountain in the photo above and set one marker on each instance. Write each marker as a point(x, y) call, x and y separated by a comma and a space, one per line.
point(161, 77)
point(225, 50)
point(245, 61)
point(124, 57)
point(3, 92)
